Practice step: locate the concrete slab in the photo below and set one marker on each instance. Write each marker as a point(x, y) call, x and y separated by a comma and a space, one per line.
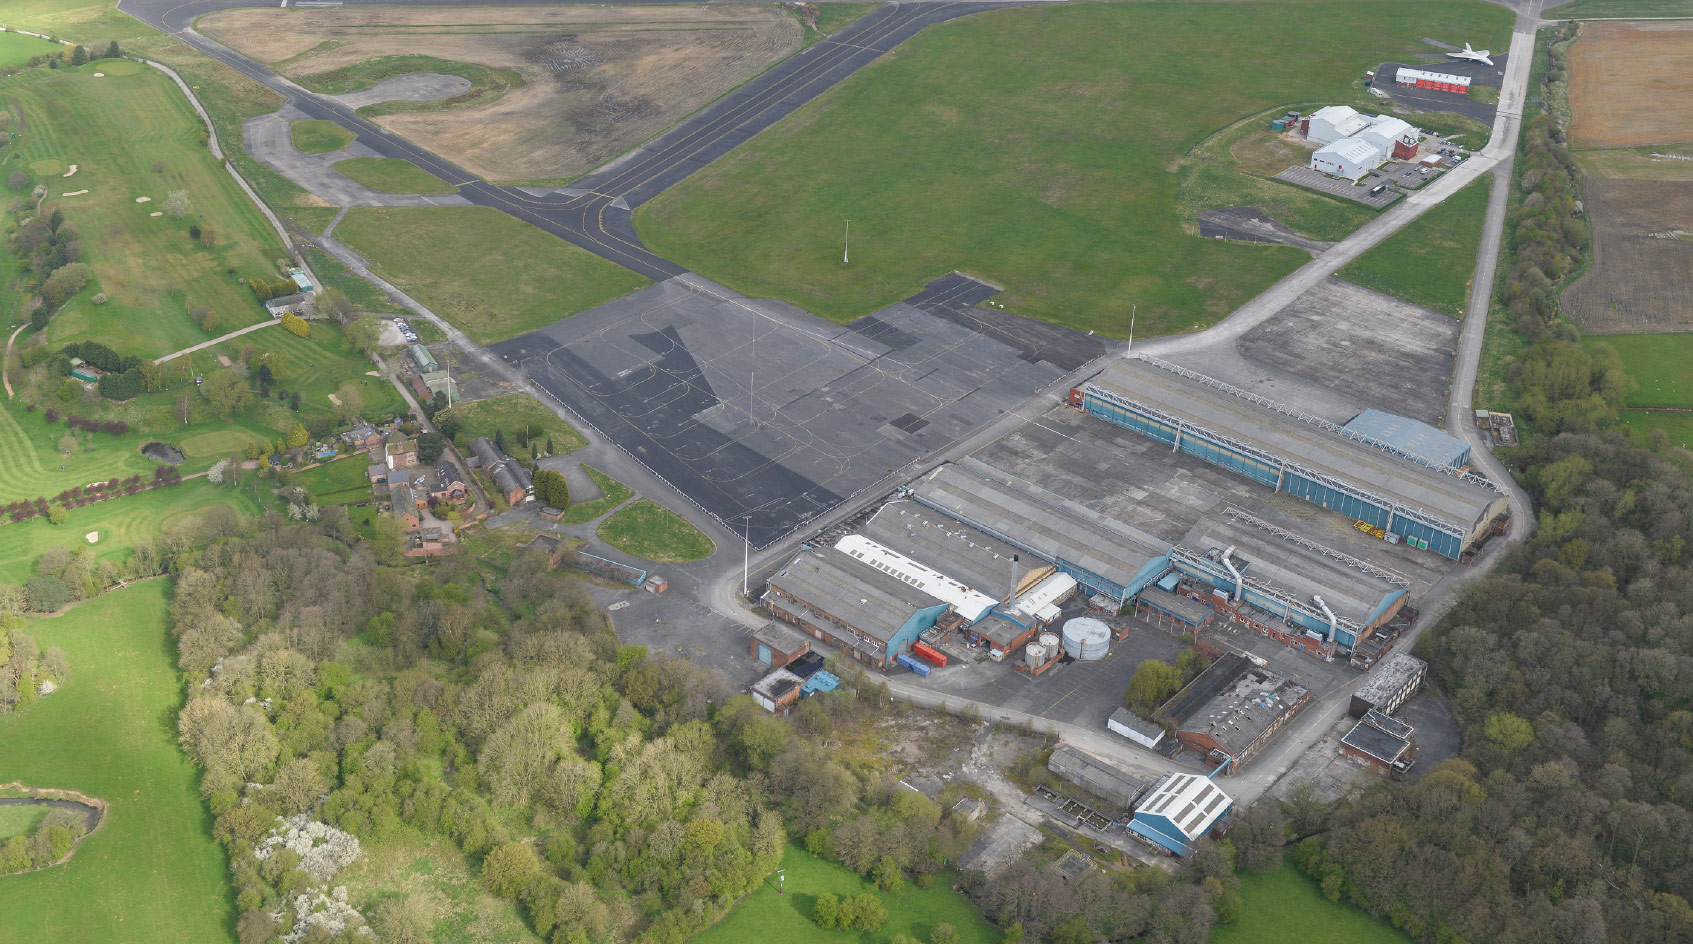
point(266, 139)
point(1335, 187)
point(416, 87)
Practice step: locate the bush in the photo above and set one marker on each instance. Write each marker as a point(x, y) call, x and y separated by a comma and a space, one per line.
point(46, 594)
point(296, 324)
point(827, 911)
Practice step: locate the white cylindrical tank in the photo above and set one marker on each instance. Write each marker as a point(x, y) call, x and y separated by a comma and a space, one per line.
point(1035, 655)
point(1050, 641)
point(1087, 639)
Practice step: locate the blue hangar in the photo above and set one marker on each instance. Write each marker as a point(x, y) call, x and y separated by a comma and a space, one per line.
point(1424, 503)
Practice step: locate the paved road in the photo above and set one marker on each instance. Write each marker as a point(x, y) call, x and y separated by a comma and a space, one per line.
point(205, 344)
point(594, 212)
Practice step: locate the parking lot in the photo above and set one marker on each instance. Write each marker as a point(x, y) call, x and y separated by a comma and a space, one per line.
point(1336, 187)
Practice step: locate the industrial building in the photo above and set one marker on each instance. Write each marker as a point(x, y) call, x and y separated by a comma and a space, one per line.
point(1231, 710)
point(776, 645)
point(1352, 144)
point(510, 477)
point(1411, 439)
point(1351, 158)
point(1332, 123)
point(1439, 81)
point(1143, 731)
point(1286, 587)
point(868, 614)
point(1104, 555)
point(1158, 604)
point(1381, 742)
point(968, 603)
point(1390, 685)
point(1434, 508)
point(1393, 137)
point(969, 555)
point(1180, 811)
point(778, 692)
point(1104, 780)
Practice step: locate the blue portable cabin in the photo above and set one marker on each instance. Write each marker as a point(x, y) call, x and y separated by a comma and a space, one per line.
point(915, 665)
point(820, 681)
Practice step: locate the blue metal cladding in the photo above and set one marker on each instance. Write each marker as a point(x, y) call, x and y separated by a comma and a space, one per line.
point(1261, 472)
point(914, 627)
point(1159, 830)
point(1087, 578)
point(1162, 432)
point(1319, 494)
point(1438, 541)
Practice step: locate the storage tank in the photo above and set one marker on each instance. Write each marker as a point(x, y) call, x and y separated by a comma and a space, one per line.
point(1087, 639)
point(1050, 641)
point(1035, 655)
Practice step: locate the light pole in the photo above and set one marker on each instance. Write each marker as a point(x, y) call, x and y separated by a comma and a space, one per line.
point(746, 555)
point(781, 881)
point(846, 245)
point(1133, 308)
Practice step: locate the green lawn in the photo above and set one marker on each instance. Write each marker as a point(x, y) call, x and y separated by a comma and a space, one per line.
point(152, 872)
point(486, 84)
point(89, 21)
point(1031, 148)
point(319, 136)
point(1661, 363)
point(767, 916)
point(339, 482)
point(1602, 9)
point(391, 175)
point(511, 414)
point(1286, 907)
point(652, 532)
point(1429, 262)
point(116, 129)
point(122, 523)
point(489, 274)
point(317, 366)
point(17, 49)
point(613, 493)
point(20, 820)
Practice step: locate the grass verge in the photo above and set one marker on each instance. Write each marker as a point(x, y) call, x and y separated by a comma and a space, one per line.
point(1606, 9)
point(612, 494)
point(489, 274)
point(391, 175)
point(319, 136)
point(520, 417)
point(652, 532)
point(1286, 907)
point(1431, 261)
point(151, 872)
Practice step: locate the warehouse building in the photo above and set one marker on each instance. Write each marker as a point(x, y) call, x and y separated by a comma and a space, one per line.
point(1411, 439)
point(1390, 685)
point(1143, 731)
point(776, 645)
point(1231, 710)
point(1104, 780)
point(1332, 123)
point(1180, 811)
point(1173, 610)
point(1438, 509)
point(1351, 158)
point(969, 555)
point(968, 603)
point(1438, 81)
point(1286, 587)
point(1105, 556)
point(1381, 742)
point(867, 614)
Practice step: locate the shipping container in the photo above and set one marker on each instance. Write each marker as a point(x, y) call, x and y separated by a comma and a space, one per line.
point(929, 652)
point(1278, 125)
point(912, 664)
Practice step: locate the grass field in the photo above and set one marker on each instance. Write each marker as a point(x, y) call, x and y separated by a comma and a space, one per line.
point(317, 366)
point(116, 129)
point(832, 18)
point(1430, 261)
point(492, 276)
point(652, 532)
point(1605, 9)
point(17, 49)
point(340, 482)
point(1048, 171)
point(88, 21)
point(612, 494)
point(319, 136)
point(1677, 426)
point(1662, 364)
point(123, 523)
point(511, 414)
point(152, 872)
point(436, 876)
point(767, 916)
point(1286, 907)
point(20, 820)
point(392, 175)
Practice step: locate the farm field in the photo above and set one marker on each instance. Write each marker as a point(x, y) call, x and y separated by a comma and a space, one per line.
point(1629, 84)
point(765, 915)
point(653, 532)
point(151, 872)
point(1677, 426)
point(17, 49)
point(519, 416)
point(117, 130)
point(1287, 907)
point(123, 523)
point(1430, 261)
point(1048, 172)
point(1662, 364)
point(391, 175)
point(492, 276)
point(319, 136)
point(556, 91)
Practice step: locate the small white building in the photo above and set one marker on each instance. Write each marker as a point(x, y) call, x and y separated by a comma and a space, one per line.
point(1351, 158)
point(1140, 730)
point(1333, 122)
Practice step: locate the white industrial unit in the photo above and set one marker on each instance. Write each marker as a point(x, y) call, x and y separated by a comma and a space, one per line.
point(1333, 122)
point(1351, 158)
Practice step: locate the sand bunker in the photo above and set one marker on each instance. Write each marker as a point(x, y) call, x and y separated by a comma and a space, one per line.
point(143, 199)
point(157, 213)
point(99, 75)
point(69, 172)
point(92, 537)
point(73, 193)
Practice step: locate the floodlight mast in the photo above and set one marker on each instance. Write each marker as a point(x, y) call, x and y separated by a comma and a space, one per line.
point(846, 245)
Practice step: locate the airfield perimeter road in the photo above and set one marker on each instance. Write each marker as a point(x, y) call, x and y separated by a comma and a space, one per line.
point(594, 212)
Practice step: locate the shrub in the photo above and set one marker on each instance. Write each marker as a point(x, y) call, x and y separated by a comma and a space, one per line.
point(99, 299)
point(296, 324)
point(827, 911)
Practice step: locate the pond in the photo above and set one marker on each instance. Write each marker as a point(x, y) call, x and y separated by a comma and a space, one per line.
point(163, 452)
point(90, 814)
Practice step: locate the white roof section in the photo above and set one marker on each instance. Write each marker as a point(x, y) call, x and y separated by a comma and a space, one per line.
point(1386, 129)
point(1344, 119)
point(1418, 75)
point(1356, 151)
point(972, 604)
point(1191, 802)
point(1041, 602)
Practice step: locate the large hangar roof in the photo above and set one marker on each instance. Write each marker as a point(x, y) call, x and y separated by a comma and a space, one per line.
point(1298, 570)
point(1406, 435)
point(1048, 523)
point(855, 593)
point(951, 547)
point(1231, 414)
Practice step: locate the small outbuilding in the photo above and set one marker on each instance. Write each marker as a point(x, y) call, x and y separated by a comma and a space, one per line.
point(778, 692)
point(1143, 731)
point(1381, 742)
point(776, 645)
point(1180, 811)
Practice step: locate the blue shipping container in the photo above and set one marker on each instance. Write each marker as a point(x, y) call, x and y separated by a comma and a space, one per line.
point(912, 664)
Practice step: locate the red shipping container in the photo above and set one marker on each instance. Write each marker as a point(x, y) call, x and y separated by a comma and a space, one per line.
point(928, 653)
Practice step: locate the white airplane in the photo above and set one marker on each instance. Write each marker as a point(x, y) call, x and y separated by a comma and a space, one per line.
point(1479, 55)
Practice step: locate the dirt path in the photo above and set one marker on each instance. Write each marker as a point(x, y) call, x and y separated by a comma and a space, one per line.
point(205, 344)
point(3, 377)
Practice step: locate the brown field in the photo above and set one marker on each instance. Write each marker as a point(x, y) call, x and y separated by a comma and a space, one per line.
point(1630, 84)
point(601, 80)
point(1267, 153)
point(1642, 273)
point(1657, 162)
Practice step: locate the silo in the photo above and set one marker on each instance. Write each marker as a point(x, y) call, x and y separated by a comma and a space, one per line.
point(1087, 639)
point(1050, 641)
point(1035, 655)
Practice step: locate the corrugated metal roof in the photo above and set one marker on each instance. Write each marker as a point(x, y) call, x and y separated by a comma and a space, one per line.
point(1351, 150)
point(951, 547)
point(1102, 779)
point(1463, 502)
point(1193, 803)
point(1233, 701)
point(972, 604)
point(1052, 525)
point(835, 585)
point(1406, 435)
point(1294, 569)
